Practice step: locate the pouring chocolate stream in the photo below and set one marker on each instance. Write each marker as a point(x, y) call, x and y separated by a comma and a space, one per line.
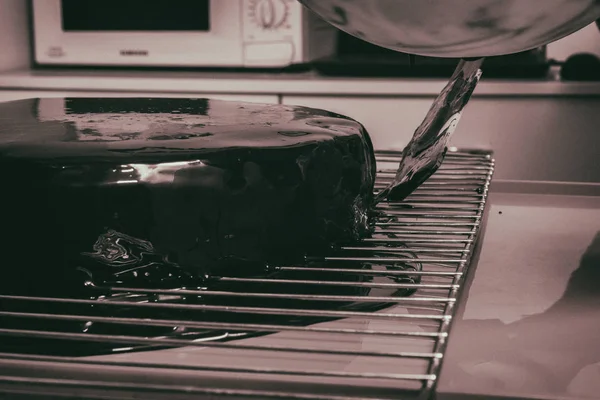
point(466, 29)
point(426, 150)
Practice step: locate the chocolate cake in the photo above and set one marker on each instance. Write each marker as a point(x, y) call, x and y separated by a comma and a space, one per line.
point(162, 192)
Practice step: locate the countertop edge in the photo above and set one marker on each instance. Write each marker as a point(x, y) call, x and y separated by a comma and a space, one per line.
point(545, 187)
point(303, 83)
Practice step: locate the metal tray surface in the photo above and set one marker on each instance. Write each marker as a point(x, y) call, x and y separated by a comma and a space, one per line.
point(527, 325)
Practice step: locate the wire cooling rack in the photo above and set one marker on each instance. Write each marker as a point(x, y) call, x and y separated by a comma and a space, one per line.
point(369, 321)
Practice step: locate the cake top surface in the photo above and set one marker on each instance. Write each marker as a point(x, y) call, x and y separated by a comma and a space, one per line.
point(143, 128)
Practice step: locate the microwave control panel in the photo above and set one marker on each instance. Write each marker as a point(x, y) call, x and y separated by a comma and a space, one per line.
point(271, 20)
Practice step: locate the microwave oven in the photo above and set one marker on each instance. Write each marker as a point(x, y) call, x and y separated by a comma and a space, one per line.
point(179, 33)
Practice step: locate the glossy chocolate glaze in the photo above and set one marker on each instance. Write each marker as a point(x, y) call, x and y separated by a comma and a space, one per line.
point(207, 183)
point(173, 193)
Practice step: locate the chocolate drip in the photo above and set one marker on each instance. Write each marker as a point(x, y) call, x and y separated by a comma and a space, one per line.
point(427, 148)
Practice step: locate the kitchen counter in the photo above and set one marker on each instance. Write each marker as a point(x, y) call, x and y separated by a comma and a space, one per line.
point(305, 83)
point(528, 325)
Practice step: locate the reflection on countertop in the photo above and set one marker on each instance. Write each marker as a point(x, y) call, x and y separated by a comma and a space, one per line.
point(529, 323)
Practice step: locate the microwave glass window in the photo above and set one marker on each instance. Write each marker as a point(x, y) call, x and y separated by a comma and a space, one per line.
point(135, 15)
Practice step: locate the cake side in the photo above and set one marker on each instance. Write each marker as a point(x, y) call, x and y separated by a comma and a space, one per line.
point(168, 199)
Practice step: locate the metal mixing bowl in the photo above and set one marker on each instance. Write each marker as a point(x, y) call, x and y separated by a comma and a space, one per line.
point(458, 28)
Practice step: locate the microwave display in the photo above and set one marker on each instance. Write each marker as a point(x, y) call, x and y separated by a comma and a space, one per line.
point(135, 15)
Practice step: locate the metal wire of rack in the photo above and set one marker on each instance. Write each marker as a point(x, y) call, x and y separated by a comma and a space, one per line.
point(372, 318)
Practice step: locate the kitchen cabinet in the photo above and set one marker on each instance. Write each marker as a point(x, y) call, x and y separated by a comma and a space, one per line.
point(533, 138)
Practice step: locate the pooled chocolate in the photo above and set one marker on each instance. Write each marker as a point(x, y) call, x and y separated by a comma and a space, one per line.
point(163, 192)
